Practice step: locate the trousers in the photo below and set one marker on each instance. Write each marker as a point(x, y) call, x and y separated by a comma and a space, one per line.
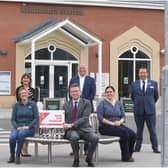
point(90, 137)
point(151, 125)
point(17, 137)
point(127, 138)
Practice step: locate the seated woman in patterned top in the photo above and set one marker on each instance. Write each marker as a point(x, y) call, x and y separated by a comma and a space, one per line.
point(111, 118)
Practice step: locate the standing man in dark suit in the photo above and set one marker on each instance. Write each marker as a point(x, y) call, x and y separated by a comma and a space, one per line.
point(87, 89)
point(86, 83)
point(144, 94)
point(77, 126)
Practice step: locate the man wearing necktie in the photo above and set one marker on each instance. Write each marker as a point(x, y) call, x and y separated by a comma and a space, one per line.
point(144, 94)
point(87, 89)
point(77, 126)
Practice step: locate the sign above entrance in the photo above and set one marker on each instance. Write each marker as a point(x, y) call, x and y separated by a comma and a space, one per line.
point(38, 10)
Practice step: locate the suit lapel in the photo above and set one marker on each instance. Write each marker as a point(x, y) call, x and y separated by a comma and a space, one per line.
point(78, 81)
point(79, 106)
point(139, 86)
point(71, 108)
point(85, 84)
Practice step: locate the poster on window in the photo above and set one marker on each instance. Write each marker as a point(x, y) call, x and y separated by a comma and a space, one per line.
point(5, 83)
point(52, 118)
point(100, 86)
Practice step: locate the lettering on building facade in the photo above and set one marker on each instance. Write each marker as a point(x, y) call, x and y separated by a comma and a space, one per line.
point(52, 11)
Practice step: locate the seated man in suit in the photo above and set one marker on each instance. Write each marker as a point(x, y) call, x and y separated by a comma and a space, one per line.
point(77, 126)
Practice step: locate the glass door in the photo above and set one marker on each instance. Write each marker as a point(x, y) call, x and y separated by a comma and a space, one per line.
point(42, 80)
point(60, 81)
point(52, 80)
point(125, 77)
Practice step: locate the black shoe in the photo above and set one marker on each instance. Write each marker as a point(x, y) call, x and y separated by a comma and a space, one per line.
point(11, 159)
point(25, 155)
point(129, 160)
point(89, 162)
point(76, 163)
point(17, 161)
point(156, 151)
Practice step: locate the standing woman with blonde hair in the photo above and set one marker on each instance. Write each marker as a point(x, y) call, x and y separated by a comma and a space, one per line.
point(32, 96)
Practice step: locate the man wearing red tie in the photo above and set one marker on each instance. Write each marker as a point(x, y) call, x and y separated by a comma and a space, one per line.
point(144, 94)
point(77, 125)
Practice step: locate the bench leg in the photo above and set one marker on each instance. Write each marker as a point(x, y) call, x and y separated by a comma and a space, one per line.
point(96, 153)
point(49, 152)
point(81, 148)
point(36, 149)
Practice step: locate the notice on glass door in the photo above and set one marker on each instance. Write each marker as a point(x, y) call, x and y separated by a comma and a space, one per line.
point(5, 83)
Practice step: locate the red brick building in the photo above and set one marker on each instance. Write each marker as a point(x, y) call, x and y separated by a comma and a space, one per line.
point(49, 39)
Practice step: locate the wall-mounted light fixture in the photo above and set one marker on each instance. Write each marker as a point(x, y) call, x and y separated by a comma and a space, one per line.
point(3, 52)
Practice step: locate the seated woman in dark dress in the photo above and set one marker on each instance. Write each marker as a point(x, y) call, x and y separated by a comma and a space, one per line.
point(111, 118)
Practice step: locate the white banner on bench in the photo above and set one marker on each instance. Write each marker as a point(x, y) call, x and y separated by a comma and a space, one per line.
point(52, 118)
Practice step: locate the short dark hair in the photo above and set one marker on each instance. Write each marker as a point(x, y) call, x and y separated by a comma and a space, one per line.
point(74, 85)
point(143, 67)
point(110, 87)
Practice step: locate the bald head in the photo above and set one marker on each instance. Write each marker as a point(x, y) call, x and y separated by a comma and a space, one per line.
point(82, 69)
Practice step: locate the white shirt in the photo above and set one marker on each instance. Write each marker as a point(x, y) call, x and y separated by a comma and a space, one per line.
point(141, 83)
point(81, 81)
point(74, 102)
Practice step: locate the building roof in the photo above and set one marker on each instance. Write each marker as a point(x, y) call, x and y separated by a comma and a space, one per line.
point(145, 4)
point(66, 25)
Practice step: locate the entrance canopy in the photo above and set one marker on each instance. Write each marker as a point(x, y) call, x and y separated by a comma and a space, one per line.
point(68, 27)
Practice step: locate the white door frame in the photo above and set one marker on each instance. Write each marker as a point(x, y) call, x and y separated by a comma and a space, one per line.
point(51, 65)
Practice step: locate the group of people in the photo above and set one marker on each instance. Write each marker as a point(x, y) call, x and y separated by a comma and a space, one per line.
point(110, 112)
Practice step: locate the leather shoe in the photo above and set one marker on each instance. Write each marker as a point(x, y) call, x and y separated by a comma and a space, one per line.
point(130, 160)
point(156, 151)
point(76, 163)
point(89, 162)
point(11, 159)
point(17, 161)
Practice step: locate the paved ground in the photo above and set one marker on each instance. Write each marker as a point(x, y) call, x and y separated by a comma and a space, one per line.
point(109, 155)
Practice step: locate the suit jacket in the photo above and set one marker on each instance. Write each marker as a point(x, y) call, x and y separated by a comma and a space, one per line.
point(83, 112)
point(144, 102)
point(89, 88)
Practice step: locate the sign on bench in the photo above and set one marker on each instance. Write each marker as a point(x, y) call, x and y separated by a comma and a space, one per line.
point(52, 123)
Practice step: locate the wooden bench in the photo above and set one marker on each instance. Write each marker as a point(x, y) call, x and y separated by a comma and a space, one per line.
point(55, 136)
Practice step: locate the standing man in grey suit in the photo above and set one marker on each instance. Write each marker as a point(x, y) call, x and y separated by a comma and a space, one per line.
point(144, 94)
point(77, 126)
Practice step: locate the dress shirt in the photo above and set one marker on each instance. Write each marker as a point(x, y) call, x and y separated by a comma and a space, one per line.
point(141, 83)
point(75, 101)
point(82, 80)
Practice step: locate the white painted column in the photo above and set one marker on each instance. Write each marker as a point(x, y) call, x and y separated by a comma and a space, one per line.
point(100, 69)
point(33, 63)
